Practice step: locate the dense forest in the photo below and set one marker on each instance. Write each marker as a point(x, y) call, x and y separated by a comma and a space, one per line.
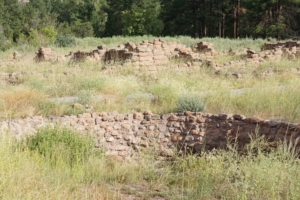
point(43, 21)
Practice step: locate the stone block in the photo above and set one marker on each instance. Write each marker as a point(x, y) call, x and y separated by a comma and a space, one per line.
point(172, 117)
point(167, 153)
point(123, 153)
point(144, 143)
point(110, 139)
point(126, 126)
point(152, 68)
point(117, 126)
point(114, 133)
point(84, 115)
point(143, 49)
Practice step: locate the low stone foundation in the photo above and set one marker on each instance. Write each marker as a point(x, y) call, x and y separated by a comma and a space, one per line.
point(124, 136)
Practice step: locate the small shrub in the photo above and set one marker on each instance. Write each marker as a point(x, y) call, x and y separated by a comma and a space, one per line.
point(65, 41)
point(82, 29)
point(34, 37)
point(50, 33)
point(166, 96)
point(187, 103)
point(61, 145)
point(5, 43)
point(85, 96)
point(47, 108)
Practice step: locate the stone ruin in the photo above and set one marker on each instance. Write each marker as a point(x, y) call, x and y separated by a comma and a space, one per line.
point(206, 48)
point(273, 51)
point(290, 49)
point(126, 136)
point(12, 78)
point(146, 55)
point(159, 54)
point(288, 44)
point(270, 52)
point(46, 54)
point(150, 55)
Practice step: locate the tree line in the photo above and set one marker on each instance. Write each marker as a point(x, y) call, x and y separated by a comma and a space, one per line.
point(42, 21)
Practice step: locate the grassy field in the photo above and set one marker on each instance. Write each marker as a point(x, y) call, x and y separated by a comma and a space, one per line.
point(220, 44)
point(26, 173)
point(44, 167)
point(87, 80)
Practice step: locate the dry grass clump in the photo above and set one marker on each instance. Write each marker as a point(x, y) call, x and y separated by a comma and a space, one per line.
point(280, 103)
point(20, 102)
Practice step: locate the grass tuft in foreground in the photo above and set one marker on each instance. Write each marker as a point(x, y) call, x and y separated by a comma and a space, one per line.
point(50, 143)
point(260, 173)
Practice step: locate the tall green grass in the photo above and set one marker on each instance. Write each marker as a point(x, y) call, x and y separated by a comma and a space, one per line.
point(270, 102)
point(27, 174)
point(50, 143)
point(40, 169)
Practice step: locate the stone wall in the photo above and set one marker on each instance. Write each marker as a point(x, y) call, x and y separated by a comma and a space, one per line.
point(158, 54)
point(124, 136)
point(147, 55)
point(288, 44)
point(154, 55)
point(46, 54)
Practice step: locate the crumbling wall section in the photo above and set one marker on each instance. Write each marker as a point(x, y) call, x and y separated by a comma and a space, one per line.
point(124, 136)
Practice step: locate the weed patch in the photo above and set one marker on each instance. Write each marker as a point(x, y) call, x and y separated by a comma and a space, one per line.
point(190, 103)
point(61, 146)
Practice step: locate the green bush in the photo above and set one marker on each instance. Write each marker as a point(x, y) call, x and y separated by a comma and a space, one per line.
point(85, 96)
point(49, 33)
point(82, 29)
point(190, 103)
point(34, 37)
point(61, 145)
point(63, 40)
point(5, 43)
point(166, 96)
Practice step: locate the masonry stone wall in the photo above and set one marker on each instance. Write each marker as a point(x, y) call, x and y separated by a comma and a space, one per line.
point(155, 55)
point(147, 55)
point(125, 136)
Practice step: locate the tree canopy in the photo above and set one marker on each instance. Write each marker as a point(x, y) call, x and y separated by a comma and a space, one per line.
point(24, 21)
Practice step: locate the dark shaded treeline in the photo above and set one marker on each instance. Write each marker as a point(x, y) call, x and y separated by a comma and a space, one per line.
point(231, 18)
point(45, 19)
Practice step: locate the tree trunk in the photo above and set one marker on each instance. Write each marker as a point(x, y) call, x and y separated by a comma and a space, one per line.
point(236, 16)
point(210, 19)
point(203, 21)
point(234, 19)
point(238, 19)
point(223, 21)
point(220, 22)
point(195, 20)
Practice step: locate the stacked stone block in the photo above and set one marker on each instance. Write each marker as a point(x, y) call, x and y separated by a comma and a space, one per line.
point(290, 49)
point(156, 55)
point(288, 44)
point(46, 54)
point(206, 48)
point(150, 56)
